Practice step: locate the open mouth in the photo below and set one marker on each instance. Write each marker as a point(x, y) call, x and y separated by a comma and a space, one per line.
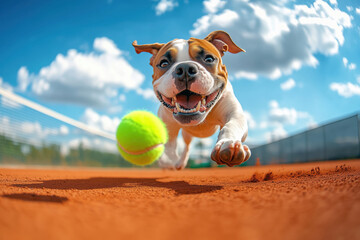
point(188, 102)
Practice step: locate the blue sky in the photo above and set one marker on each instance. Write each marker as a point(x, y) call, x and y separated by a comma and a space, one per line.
point(300, 69)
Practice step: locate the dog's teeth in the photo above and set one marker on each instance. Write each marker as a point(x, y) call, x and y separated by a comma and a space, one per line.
point(178, 107)
point(182, 110)
point(198, 106)
point(203, 101)
point(172, 101)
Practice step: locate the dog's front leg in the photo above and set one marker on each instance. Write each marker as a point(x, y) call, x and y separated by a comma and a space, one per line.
point(170, 158)
point(229, 149)
point(181, 164)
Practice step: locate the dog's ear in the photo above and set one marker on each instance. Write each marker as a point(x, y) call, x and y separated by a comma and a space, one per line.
point(223, 42)
point(150, 48)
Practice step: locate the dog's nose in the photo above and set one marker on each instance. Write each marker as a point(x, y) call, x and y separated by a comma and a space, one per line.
point(185, 71)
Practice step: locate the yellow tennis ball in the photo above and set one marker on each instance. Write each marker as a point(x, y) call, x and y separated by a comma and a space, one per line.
point(141, 137)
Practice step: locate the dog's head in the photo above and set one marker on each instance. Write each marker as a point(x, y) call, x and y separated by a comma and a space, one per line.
point(189, 75)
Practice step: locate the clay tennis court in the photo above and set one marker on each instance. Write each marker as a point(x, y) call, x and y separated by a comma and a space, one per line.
point(304, 201)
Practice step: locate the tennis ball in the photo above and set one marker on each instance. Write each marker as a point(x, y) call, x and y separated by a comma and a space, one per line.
point(141, 137)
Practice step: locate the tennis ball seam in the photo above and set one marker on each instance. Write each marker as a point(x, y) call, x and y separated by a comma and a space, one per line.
point(139, 152)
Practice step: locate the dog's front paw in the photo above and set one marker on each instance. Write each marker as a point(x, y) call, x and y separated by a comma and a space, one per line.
point(230, 152)
point(171, 166)
point(180, 165)
point(166, 163)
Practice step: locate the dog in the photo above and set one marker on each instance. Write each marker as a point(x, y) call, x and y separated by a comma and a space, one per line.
point(191, 82)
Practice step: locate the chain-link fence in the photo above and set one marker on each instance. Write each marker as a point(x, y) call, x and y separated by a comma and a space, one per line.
point(336, 140)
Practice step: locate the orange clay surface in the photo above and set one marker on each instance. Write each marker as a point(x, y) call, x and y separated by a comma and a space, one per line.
point(301, 201)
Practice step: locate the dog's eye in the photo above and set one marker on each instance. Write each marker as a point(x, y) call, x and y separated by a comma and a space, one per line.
point(164, 63)
point(209, 59)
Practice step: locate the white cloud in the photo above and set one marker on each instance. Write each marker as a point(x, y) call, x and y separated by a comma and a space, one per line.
point(88, 79)
point(312, 124)
point(64, 130)
point(287, 85)
point(246, 75)
point(5, 85)
point(273, 104)
point(346, 89)
point(280, 116)
point(333, 2)
point(352, 66)
point(277, 133)
point(278, 39)
point(250, 120)
point(88, 143)
point(147, 93)
point(23, 79)
point(102, 122)
point(114, 109)
point(349, 8)
point(357, 10)
point(36, 129)
point(201, 25)
point(212, 6)
point(122, 97)
point(222, 20)
point(6, 102)
point(263, 125)
point(225, 19)
point(165, 6)
point(106, 45)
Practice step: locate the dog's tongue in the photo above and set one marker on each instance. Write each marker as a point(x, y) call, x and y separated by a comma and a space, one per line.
point(188, 101)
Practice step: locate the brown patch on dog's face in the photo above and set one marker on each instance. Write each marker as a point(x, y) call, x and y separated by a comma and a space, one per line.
point(202, 52)
point(167, 54)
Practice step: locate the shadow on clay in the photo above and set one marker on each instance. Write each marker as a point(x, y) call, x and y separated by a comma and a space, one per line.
point(180, 187)
point(32, 197)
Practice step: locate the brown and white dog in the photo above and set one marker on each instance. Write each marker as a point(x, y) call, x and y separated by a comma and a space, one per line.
point(192, 84)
